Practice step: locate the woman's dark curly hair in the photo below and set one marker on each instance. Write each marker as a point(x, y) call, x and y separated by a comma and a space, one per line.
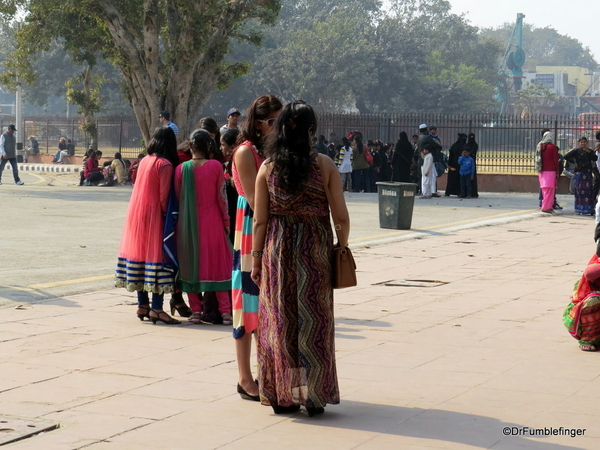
point(203, 142)
point(164, 144)
point(289, 145)
point(260, 109)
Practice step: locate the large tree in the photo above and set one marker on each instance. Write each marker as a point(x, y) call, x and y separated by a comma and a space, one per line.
point(171, 52)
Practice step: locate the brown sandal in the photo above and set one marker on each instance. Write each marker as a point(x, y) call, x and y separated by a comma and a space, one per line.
point(588, 348)
point(195, 318)
point(227, 319)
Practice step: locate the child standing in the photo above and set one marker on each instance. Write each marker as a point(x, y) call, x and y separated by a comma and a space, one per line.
point(467, 173)
point(428, 172)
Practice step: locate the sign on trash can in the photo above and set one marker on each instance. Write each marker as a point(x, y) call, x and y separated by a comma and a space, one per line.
point(396, 202)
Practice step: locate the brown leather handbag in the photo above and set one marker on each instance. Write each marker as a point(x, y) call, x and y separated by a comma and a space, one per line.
point(342, 262)
point(344, 268)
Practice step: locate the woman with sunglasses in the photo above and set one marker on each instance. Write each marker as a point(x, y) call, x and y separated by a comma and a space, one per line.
point(247, 159)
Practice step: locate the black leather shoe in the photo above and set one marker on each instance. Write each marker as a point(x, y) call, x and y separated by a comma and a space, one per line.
point(246, 396)
point(285, 409)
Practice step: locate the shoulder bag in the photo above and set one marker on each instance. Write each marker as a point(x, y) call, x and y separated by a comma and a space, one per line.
point(342, 262)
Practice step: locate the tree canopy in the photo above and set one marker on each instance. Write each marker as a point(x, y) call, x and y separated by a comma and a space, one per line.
point(171, 54)
point(338, 55)
point(355, 55)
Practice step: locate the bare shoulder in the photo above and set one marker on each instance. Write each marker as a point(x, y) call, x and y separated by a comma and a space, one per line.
point(326, 163)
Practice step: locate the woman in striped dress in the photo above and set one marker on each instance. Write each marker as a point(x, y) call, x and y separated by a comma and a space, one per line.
point(247, 159)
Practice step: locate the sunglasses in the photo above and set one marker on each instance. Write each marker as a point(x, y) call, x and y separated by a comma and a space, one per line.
point(269, 122)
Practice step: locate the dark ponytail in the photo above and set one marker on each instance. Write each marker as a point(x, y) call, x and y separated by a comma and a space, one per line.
point(203, 142)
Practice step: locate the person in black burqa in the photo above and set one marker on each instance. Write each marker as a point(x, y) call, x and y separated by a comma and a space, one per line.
point(402, 159)
point(453, 181)
point(472, 146)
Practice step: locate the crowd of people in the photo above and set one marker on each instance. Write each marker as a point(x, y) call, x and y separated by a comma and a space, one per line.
point(238, 218)
point(362, 165)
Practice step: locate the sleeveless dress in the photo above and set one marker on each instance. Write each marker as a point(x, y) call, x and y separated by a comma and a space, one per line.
point(203, 247)
point(295, 335)
point(143, 263)
point(244, 292)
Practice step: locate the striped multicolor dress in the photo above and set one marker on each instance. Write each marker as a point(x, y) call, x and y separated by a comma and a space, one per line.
point(295, 336)
point(244, 292)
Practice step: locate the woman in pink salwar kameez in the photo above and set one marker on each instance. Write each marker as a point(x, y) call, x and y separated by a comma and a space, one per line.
point(547, 167)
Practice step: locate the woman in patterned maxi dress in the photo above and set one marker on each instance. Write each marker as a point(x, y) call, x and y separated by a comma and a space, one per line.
point(295, 335)
point(247, 158)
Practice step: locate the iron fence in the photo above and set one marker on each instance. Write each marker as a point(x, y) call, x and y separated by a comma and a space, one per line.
point(115, 134)
point(506, 143)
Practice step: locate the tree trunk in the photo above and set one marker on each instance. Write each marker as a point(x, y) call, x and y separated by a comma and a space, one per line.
point(88, 117)
point(175, 71)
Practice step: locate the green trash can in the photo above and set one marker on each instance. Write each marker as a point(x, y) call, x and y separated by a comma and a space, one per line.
point(396, 202)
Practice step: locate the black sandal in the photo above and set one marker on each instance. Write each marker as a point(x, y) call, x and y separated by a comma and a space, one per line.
point(246, 396)
point(171, 321)
point(315, 411)
point(147, 314)
point(277, 409)
point(177, 304)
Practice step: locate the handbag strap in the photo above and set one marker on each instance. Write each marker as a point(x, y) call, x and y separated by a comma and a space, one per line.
point(326, 187)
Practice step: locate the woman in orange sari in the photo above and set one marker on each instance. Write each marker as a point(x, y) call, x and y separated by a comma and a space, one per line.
point(582, 316)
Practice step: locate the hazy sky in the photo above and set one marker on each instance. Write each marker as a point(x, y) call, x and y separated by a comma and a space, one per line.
point(570, 17)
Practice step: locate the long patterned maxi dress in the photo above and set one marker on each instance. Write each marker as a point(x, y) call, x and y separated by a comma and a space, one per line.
point(244, 293)
point(295, 345)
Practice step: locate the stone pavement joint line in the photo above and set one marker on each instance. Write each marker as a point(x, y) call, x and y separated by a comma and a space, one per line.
point(470, 364)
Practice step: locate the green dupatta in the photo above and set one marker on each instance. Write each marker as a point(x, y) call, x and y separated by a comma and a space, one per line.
point(188, 239)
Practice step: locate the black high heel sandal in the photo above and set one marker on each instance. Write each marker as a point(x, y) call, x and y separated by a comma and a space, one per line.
point(246, 396)
point(171, 321)
point(315, 411)
point(177, 304)
point(277, 409)
point(141, 316)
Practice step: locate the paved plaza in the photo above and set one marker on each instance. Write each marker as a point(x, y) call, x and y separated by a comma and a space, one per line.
point(453, 339)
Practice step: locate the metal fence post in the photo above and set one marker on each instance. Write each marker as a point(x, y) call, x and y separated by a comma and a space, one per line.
point(120, 134)
point(47, 135)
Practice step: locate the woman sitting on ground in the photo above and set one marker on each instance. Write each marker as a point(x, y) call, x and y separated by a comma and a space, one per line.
point(118, 166)
point(92, 173)
point(581, 316)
